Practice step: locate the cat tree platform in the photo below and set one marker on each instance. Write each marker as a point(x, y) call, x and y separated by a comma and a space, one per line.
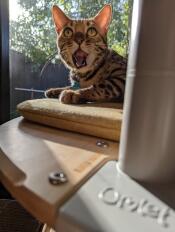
point(42, 166)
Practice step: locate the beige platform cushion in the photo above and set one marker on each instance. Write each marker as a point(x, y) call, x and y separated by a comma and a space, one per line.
point(102, 120)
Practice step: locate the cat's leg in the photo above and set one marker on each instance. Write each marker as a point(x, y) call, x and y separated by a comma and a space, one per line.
point(97, 92)
point(54, 92)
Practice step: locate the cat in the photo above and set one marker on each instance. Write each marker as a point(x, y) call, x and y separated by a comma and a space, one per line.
point(97, 73)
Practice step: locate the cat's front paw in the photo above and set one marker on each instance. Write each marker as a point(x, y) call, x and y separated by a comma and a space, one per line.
point(52, 93)
point(70, 97)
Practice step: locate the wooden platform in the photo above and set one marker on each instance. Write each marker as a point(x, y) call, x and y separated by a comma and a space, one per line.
point(29, 152)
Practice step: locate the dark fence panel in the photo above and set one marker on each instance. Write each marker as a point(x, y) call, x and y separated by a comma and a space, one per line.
point(22, 75)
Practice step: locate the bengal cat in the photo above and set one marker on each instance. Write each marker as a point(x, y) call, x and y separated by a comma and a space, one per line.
point(96, 72)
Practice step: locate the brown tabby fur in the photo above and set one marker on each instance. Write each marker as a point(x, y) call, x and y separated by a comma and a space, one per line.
point(103, 76)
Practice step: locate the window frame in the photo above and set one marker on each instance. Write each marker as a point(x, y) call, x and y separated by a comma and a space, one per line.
point(4, 62)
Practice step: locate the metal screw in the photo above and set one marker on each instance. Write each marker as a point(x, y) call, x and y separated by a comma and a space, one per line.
point(100, 143)
point(57, 178)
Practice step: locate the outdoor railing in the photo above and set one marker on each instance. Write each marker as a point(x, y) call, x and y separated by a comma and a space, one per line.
point(31, 90)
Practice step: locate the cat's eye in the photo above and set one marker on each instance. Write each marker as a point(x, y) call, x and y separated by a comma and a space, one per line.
point(68, 32)
point(91, 32)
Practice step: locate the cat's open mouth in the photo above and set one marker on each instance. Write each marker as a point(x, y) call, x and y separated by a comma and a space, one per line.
point(79, 58)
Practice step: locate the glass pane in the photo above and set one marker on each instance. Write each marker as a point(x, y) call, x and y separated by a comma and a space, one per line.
point(33, 46)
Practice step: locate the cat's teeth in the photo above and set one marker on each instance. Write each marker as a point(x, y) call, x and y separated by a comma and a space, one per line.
point(79, 58)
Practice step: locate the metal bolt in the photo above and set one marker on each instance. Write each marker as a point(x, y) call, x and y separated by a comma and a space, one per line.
point(57, 178)
point(100, 143)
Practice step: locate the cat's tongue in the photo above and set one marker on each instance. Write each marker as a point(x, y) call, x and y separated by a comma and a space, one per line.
point(79, 58)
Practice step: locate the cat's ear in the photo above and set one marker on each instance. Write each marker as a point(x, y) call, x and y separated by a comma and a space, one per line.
point(59, 18)
point(103, 18)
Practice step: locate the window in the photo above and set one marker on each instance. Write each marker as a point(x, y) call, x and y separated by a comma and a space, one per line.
point(4, 62)
point(32, 43)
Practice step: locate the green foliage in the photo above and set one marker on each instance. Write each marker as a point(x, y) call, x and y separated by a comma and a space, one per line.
point(33, 32)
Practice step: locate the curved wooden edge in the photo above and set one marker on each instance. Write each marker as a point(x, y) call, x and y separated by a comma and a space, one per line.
point(35, 151)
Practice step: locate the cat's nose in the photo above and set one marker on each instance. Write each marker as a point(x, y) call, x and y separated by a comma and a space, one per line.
point(79, 37)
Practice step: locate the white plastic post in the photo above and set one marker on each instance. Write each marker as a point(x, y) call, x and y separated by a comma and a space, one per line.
point(147, 149)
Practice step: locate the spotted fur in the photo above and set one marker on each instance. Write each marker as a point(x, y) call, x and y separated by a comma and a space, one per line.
point(100, 72)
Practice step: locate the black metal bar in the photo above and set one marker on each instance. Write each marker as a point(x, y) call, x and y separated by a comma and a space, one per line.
point(4, 62)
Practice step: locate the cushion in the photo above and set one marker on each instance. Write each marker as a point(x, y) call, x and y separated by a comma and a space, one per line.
point(97, 119)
